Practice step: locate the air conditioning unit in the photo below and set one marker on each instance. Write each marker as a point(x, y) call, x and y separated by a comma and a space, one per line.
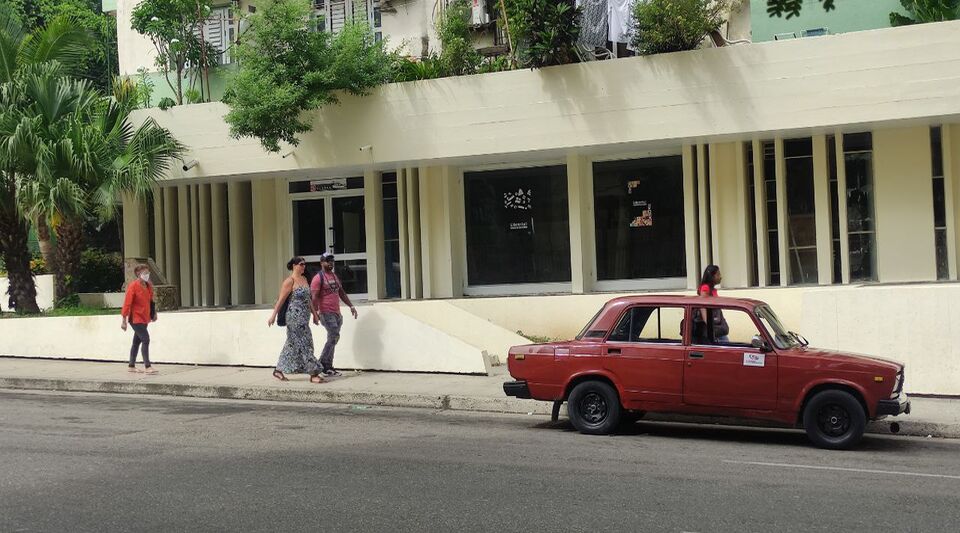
point(478, 13)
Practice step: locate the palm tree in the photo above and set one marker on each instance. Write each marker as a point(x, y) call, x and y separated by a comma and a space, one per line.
point(26, 60)
point(109, 157)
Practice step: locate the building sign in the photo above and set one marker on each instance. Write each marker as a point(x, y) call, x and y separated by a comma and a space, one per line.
point(332, 184)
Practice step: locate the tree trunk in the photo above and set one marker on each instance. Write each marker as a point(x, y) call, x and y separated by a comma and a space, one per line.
point(14, 233)
point(48, 247)
point(69, 248)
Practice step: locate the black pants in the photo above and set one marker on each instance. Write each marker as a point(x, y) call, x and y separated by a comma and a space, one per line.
point(141, 341)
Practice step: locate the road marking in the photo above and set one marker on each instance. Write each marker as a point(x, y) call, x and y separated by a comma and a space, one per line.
point(842, 469)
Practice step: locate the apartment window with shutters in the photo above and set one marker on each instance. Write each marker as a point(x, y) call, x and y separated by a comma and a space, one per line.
point(333, 15)
point(939, 203)
point(218, 31)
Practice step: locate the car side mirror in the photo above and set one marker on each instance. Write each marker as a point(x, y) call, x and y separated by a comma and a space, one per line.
point(759, 343)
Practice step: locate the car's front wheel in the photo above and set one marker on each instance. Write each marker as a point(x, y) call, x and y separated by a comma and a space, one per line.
point(834, 419)
point(594, 407)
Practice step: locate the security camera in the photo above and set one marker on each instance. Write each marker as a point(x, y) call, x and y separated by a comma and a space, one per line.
point(190, 164)
point(366, 147)
point(286, 155)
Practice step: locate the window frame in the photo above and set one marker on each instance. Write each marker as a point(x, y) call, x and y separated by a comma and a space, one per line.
point(761, 329)
point(660, 342)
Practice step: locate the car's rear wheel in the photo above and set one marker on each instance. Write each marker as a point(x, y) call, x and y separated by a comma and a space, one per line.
point(594, 408)
point(834, 419)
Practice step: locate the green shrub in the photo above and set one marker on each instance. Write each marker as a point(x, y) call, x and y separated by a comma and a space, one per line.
point(674, 25)
point(457, 54)
point(99, 271)
point(544, 32)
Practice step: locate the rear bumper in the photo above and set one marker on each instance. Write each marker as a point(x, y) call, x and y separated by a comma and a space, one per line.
point(894, 407)
point(517, 389)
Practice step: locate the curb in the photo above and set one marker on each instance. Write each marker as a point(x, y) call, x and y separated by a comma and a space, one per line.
point(907, 427)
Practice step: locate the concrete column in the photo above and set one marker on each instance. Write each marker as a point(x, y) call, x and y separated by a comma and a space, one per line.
point(903, 203)
point(220, 245)
point(821, 191)
point(402, 233)
point(206, 244)
point(583, 249)
point(782, 237)
point(185, 246)
point(442, 233)
point(414, 242)
point(842, 210)
point(760, 212)
point(241, 243)
point(728, 213)
point(284, 226)
point(136, 227)
point(265, 246)
point(171, 234)
point(373, 215)
point(195, 256)
point(950, 137)
point(690, 228)
point(159, 250)
point(703, 208)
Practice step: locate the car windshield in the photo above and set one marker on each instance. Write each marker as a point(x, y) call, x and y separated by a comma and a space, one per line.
point(783, 338)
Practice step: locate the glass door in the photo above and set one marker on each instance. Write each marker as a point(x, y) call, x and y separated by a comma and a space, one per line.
point(333, 222)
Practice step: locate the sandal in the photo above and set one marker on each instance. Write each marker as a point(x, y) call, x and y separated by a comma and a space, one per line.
point(279, 375)
point(316, 379)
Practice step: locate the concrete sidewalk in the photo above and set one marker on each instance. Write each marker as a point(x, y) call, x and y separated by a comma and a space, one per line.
point(929, 417)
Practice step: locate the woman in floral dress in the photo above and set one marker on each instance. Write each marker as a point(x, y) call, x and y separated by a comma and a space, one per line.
point(297, 354)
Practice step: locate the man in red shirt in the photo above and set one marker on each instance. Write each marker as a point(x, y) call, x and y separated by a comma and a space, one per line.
point(137, 310)
point(327, 291)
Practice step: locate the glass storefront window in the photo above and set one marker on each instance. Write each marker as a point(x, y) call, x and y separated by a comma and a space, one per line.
point(309, 227)
point(939, 204)
point(861, 228)
point(639, 218)
point(801, 213)
point(770, 190)
point(517, 224)
point(391, 235)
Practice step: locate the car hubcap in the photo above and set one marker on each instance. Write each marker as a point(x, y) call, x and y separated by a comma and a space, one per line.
point(834, 420)
point(593, 408)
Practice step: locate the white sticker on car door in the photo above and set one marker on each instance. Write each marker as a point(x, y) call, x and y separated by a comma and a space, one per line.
point(754, 359)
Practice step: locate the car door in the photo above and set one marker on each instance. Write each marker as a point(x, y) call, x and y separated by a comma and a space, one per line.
point(728, 371)
point(645, 353)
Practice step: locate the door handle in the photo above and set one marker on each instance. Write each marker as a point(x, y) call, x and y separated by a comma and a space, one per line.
point(696, 355)
point(613, 351)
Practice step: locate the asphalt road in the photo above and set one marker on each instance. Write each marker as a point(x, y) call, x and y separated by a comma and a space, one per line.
point(82, 462)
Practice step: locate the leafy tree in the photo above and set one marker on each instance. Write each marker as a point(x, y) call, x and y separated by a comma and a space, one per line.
point(98, 63)
point(777, 8)
point(174, 27)
point(674, 25)
point(923, 11)
point(457, 53)
point(32, 64)
point(288, 68)
point(545, 32)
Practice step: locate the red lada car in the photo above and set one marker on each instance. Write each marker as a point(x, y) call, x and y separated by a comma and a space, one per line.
point(706, 356)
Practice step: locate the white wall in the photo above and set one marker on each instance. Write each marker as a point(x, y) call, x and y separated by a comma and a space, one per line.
point(383, 338)
point(45, 292)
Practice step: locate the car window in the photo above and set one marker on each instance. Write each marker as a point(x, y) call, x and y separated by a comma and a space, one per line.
point(730, 327)
point(649, 324)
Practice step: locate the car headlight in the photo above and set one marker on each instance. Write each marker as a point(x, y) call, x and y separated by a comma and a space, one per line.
point(897, 385)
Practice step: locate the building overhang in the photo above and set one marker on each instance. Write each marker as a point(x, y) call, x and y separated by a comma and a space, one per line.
point(849, 82)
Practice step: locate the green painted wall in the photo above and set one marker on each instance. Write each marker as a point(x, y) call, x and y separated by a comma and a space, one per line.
point(218, 84)
point(108, 6)
point(849, 15)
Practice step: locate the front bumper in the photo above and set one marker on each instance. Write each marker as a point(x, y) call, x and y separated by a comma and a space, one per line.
point(894, 407)
point(517, 389)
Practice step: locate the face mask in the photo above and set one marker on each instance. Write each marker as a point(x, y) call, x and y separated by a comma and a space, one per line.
point(145, 276)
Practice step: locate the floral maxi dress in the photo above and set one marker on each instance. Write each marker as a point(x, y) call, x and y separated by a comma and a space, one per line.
point(297, 354)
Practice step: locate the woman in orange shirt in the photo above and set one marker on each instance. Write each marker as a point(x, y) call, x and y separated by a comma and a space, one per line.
point(137, 310)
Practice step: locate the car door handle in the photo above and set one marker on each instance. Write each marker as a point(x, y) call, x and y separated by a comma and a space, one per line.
point(696, 355)
point(613, 351)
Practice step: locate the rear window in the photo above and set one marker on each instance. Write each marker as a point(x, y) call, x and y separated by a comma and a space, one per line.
point(584, 332)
